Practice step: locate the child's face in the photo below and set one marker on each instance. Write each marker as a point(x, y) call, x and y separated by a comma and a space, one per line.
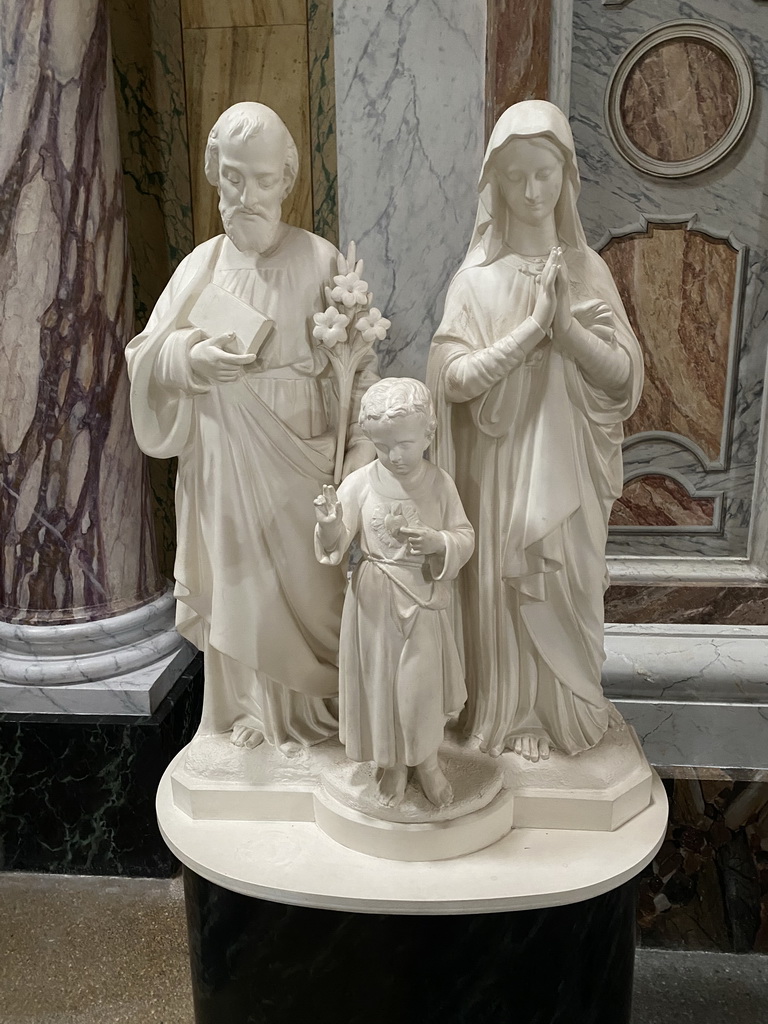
point(400, 443)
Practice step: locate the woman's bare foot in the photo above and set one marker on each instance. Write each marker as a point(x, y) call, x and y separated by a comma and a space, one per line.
point(437, 789)
point(390, 785)
point(532, 748)
point(246, 736)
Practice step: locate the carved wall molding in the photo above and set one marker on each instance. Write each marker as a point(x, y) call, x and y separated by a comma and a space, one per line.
point(731, 55)
point(667, 442)
point(660, 451)
point(690, 490)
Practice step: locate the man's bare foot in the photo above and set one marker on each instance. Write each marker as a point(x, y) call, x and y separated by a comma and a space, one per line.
point(246, 736)
point(437, 789)
point(532, 748)
point(390, 785)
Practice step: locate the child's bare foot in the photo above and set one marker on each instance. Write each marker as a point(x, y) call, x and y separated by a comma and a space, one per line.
point(532, 748)
point(246, 736)
point(390, 785)
point(437, 789)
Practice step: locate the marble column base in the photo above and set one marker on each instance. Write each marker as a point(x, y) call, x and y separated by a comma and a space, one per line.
point(138, 693)
point(80, 652)
point(77, 792)
point(254, 960)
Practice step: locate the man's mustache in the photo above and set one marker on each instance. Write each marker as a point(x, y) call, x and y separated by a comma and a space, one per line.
point(243, 211)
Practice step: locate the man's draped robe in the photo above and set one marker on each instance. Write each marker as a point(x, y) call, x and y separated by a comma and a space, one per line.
point(252, 456)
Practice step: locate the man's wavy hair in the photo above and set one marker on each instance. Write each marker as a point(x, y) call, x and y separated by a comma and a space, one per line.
point(244, 121)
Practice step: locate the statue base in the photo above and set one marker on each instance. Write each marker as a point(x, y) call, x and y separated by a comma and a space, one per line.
point(346, 809)
point(598, 790)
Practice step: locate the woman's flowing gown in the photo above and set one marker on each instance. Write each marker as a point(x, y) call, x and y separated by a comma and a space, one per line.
point(534, 444)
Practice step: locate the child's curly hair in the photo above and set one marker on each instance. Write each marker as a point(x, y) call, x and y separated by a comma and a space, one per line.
point(397, 396)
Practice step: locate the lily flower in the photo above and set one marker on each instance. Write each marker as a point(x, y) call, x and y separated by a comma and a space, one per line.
point(350, 290)
point(374, 326)
point(330, 327)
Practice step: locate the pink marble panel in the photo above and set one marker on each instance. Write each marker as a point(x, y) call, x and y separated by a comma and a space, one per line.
point(678, 288)
point(517, 54)
point(743, 606)
point(657, 500)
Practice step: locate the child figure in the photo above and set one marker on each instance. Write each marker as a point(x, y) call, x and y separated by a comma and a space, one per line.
point(400, 673)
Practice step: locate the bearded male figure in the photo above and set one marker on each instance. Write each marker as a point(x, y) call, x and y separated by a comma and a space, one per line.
point(255, 436)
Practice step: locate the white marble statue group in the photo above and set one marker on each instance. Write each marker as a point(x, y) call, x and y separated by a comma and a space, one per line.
point(477, 596)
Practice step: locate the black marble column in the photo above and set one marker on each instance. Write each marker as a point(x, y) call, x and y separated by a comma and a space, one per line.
point(255, 962)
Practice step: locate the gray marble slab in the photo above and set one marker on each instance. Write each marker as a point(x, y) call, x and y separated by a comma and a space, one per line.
point(410, 102)
point(697, 663)
point(702, 736)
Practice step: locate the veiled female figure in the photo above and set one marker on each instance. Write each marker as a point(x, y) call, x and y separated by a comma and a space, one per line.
point(534, 367)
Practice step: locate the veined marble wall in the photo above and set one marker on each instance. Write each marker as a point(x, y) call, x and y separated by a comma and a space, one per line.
point(690, 254)
point(410, 87)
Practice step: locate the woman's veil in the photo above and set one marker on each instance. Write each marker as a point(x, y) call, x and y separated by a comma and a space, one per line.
point(526, 120)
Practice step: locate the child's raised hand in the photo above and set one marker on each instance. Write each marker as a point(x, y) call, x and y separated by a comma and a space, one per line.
point(422, 540)
point(328, 506)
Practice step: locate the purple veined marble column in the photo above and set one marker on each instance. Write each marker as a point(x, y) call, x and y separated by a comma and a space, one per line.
point(81, 598)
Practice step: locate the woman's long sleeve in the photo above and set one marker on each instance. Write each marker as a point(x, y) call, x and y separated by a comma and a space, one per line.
point(474, 373)
point(605, 363)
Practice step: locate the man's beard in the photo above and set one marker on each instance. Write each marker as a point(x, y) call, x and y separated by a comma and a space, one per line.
point(249, 232)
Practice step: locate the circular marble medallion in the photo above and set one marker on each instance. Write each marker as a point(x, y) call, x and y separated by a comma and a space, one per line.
point(679, 99)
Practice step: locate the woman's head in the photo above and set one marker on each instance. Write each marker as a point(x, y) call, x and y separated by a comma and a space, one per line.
point(531, 133)
point(528, 173)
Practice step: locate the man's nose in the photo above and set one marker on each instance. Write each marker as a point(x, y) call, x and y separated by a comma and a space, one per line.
point(249, 197)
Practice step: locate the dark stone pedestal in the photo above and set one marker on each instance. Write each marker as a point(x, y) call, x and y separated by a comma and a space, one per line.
point(77, 792)
point(256, 962)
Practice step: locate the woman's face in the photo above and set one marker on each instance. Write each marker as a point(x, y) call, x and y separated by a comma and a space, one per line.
point(530, 177)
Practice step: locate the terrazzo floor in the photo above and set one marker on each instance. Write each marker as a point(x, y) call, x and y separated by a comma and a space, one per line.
point(79, 950)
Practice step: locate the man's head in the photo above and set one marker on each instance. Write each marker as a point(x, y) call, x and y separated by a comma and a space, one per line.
point(252, 159)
